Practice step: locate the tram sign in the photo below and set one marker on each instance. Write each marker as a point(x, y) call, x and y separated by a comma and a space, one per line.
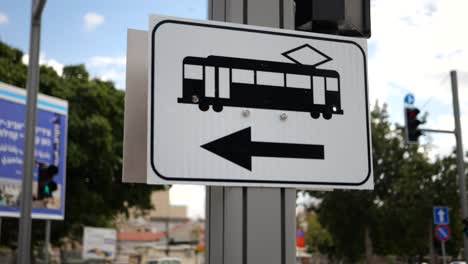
point(252, 106)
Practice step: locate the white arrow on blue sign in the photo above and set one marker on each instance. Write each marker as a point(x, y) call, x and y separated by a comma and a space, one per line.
point(409, 99)
point(441, 215)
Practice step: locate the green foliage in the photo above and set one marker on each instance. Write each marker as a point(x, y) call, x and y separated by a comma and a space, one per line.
point(317, 238)
point(445, 192)
point(345, 215)
point(398, 212)
point(94, 191)
point(12, 71)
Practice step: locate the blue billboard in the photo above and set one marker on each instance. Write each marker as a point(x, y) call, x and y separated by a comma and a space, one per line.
point(50, 152)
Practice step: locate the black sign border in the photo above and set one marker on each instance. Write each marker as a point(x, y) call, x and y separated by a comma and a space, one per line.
point(153, 36)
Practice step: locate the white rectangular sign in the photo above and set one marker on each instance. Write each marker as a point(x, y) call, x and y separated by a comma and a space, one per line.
point(99, 243)
point(253, 106)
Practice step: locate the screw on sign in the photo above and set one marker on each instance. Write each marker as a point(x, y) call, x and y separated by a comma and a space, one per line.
point(442, 232)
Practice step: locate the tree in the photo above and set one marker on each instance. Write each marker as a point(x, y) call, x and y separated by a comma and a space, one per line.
point(445, 192)
point(317, 238)
point(94, 191)
point(397, 213)
point(12, 71)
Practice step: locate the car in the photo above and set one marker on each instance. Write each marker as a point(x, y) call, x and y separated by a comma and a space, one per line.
point(167, 260)
point(99, 252)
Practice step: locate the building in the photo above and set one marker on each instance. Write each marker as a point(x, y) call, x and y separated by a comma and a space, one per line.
point(162, 231)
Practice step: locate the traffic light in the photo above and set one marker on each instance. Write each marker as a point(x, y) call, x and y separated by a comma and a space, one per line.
point(412, 123)
point(46, 184)
point(465, 226)
point(337, 17)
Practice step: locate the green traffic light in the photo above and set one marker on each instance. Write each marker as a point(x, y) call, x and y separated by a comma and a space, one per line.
point(46, 190)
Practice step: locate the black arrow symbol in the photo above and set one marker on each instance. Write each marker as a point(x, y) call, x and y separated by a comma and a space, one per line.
point(239, 148)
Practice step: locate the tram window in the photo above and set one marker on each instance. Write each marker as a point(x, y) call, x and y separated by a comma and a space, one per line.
point(270, 78)
point(209, 81)
point(319, 90)
point(332, 84)
point(242, 76)
point(298, 81)
point(224, 82)
point(193, 72)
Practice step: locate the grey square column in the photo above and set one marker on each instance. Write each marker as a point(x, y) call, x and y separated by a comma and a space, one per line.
point(248, 225)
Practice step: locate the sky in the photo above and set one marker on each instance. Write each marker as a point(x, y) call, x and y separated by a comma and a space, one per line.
point(413, 47)
point(87, 31)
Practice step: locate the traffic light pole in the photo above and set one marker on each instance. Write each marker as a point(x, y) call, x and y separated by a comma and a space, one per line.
point(460, 156)
point(24, 239)
point(437, 131)
point(47, 242)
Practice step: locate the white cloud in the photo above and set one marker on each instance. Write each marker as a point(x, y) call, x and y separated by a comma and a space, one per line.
point(3, 18)
point(192, 196)
point(43, 60)
point(101, 61)
point(416, 44)
point(108, 69)
point(444, 144)
point(92, 20)
point(112, 75)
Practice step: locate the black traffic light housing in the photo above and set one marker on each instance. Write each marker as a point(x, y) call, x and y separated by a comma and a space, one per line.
point(337, 17)
point(465, 226)
point(412, 132)
point(46, 184)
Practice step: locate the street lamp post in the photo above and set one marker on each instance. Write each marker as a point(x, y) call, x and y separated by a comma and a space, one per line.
point(24, 238)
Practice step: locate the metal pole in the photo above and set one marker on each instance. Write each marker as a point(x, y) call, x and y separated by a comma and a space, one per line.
point(168, 223)
point(443, 252)
point(246, 224)
point(47, 242)
point(24, 239)
point(460, 156)
point(432, 258)
point(437, 131)
point(167, 235)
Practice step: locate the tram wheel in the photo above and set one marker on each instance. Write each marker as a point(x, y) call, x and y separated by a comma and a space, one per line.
point(314, 114)
point(217, 108)
point(204, 106)
point(327, 115)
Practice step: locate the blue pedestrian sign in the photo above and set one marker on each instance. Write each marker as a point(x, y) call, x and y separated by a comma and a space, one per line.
point(441, 215)
point(409, 99)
